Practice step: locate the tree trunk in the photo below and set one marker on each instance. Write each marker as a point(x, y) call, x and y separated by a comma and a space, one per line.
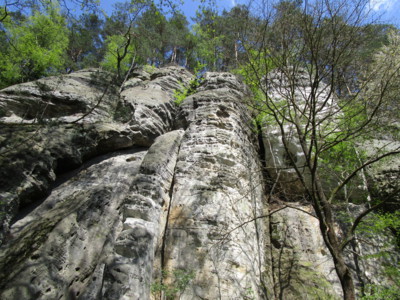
point(236, 54)
point(174, 54)
point(323, 210)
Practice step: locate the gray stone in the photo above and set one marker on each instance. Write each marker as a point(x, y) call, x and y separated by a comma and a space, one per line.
point(278, 86)
point(54, 124)
point(134, 197)
point(129, 270)
point(59, 249)
point(217, 187)
point(301, 262)
point(150, 102)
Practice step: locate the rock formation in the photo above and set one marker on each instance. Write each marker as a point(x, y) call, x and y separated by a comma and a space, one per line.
point(118, 193)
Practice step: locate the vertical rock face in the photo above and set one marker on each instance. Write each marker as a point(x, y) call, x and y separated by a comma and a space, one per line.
point(118, 193)
point(217, 194)
point(52, 125)
point(58, 250)
point(129, 268)
point(188, 203)
point(301, 262)
point(297, 103)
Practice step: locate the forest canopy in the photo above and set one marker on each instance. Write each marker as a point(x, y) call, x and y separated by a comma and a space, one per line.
point(40, 38)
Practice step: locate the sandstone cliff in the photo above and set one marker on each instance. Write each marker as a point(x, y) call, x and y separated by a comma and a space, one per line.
point(118, 193)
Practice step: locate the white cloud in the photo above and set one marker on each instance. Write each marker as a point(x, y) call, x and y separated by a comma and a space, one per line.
point(233, 3)
point(378, 5)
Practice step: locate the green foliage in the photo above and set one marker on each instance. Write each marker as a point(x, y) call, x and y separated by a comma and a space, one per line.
point(376, 292)
point(309, 281)
point(258, 63)
point(377, 35)
point(85, 42)
point(249, 294)
point(149, 69)
point(378, 223)
point(152, 36)
point(208, 45)
point(184, 92)
point(119, 54)
point(180, 95)
point(177, 280)
point(340, 158)
point(36, 47)
point(353, 115)
point(178, 38)
point(381, 292)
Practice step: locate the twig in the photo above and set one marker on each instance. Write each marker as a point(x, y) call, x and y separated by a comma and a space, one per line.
point(94, 107)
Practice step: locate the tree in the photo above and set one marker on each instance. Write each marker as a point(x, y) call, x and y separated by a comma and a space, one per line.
point(36, 46)
point(209, 37)
point(85, 47)
point(121, 37)
point(238, 27)
point(178, 35)
point(21, 5)
point(153, 34)
point(120, 52)
point(310, 53)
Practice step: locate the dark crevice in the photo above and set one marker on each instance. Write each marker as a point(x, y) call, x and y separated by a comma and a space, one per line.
point(61, 178)
point(165, 233)
point(357, 263)
point(164, 238)
point(261, 155)
point(273, 243)
point(261, 148)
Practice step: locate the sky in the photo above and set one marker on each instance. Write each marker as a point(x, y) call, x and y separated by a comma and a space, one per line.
point(190, 6)
point(389, 10)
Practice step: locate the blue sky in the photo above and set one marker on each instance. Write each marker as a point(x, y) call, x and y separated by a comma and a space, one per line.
point(389, 10)
point(190, 6)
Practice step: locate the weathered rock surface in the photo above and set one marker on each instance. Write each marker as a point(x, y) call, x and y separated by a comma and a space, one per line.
point(129, 268)
point(384, 176)
point(118, 193)
point(53, 125)
point(297, 103)
point(302, 263)
point(147, 102)
point(217, 192)
point(63, 98)
point(58, 251)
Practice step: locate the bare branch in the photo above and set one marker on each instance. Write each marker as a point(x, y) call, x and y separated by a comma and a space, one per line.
point(351, 235)
point(355, 172)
